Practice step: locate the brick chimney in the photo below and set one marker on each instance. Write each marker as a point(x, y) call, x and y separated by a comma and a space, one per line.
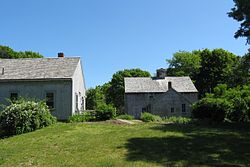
point(161, 73)
point(61, 54)
point(169, 85)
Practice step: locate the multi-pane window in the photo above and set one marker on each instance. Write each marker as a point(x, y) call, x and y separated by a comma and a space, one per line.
point(50, 100)
point(183, 107)
point(13, 96)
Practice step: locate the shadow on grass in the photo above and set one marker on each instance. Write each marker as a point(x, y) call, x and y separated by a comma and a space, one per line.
point(210, 146)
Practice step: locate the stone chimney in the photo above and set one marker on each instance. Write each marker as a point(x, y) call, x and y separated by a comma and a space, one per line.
point(169, 85)
point(161, 73)
point(61, 54)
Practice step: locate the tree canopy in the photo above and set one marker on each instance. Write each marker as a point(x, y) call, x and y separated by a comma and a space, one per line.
point(97, 96)
point(184, 64)
point(8, 53)
point(208, 68)
point(241, 13)
point(216, 68)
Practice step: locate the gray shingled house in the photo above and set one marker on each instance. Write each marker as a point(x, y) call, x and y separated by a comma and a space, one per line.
point(58, 80)
point(164, 96)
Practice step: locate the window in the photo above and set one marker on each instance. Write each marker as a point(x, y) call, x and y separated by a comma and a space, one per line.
point(50, 100)
point(77, 109)
point(148, 108)
point(183, 107)
point(13, 96)
point(144, 109)
point(172, 110)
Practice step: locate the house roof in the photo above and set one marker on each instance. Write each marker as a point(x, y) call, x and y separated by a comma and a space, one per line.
point(38, 68)
point(147, 85)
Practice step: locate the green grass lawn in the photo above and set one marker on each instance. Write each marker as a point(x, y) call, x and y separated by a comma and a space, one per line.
point(102, 144)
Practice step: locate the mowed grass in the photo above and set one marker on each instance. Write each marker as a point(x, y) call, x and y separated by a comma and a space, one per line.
point(146, 144)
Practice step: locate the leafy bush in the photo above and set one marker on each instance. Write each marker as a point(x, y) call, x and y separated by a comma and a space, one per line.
point(213, 109)
point(126, 117)
point(105, 112)
point(148, 117)
point(102, 113)
point(86, 116)
point(177, 120)
point(25, 115)
point(231, 103)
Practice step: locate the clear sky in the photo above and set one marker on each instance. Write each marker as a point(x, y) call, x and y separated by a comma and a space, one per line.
point(112, 35)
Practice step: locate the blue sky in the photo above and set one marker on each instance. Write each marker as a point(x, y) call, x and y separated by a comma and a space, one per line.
point(112, 35)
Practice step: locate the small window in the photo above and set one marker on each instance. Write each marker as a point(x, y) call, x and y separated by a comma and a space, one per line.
point(172, 110)
point(148, 108)
point(13, 96)
point(144, 109)
point(50, 100)
point(183, 107)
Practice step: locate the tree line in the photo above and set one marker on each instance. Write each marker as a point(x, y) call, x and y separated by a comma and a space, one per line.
point(210, 70)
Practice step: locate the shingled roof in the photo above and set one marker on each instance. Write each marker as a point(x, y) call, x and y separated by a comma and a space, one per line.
point(38, 68)
point(151, 85)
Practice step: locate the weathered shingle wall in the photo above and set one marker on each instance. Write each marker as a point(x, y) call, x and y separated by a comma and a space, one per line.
point(159, 103)
point(38, 89)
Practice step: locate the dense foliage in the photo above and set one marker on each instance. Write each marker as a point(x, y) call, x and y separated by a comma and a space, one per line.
point(208, 68)
point(217, 67)
point(24, 115)
point(232, 104)
point(241, 13)
point(148, 117)
point(8, 53)
point(102, 113)
point(97, 96)
point(105, 112)
point(211, 108)
point(177, 120)
point(184, 64)
point(126, 117)
point(86, 116)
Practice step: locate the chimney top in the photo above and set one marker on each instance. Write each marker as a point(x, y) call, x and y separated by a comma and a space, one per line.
point(60, 54)
point(161, 73)
point(169, 85)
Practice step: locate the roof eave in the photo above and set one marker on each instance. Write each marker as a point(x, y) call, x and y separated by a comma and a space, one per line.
point(38, 79)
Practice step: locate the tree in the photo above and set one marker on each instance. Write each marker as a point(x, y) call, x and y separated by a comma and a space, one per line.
point(97, 96)
point(184, 64)
point(216, 68)
point(241, 13)
point(241, 74)
point(8, 53)
point(117, 90)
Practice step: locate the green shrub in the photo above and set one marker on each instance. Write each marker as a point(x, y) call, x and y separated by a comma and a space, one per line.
point(177, 120)
point(148, 117)
point(25, 115)
point(85, 116)
point(239, 111)
point(126, 117)
point(105, 112)
point(213, 109)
